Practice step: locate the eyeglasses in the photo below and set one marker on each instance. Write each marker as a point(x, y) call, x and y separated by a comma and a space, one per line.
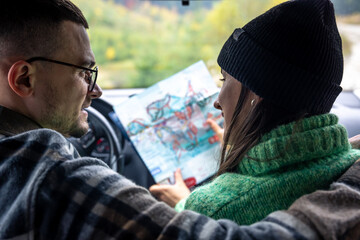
point(91, 73)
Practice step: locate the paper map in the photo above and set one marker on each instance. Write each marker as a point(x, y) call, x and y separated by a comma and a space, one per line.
point(166, 124)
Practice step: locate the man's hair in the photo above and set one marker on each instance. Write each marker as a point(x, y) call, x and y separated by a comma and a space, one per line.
point(29, 28)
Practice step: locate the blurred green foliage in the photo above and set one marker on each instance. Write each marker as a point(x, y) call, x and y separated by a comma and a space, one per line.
point(138, 46)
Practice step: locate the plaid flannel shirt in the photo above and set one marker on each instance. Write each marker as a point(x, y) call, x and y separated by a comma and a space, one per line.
point(47, 191)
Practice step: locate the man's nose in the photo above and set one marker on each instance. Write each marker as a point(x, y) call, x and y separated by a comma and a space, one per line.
point(96, 92)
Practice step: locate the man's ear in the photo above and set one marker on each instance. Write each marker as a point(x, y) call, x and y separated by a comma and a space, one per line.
point(19, 78)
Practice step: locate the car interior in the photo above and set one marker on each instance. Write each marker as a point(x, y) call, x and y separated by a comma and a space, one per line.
point(162, 37)
point(108, 141)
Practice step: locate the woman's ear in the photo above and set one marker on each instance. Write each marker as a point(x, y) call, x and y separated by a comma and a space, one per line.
point(254, 99)
point(19, 78)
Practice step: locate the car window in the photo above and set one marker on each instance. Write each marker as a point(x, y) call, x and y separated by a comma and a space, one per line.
point(140, 42)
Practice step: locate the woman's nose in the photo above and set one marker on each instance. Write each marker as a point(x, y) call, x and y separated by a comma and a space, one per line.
point(217, 104)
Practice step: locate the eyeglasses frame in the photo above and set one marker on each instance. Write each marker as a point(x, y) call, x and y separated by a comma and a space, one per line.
point(94, 70)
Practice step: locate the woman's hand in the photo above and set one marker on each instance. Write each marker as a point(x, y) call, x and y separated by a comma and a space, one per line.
point(216, 128)
point(355, 141)
point(171, 194)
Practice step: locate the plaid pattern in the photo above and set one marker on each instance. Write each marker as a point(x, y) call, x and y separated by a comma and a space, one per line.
point(48, 192)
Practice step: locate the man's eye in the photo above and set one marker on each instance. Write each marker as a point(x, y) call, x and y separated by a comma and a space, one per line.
point(85, 73)
point(222, 79)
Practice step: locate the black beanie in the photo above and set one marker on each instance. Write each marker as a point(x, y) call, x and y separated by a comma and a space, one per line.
point(291, 55)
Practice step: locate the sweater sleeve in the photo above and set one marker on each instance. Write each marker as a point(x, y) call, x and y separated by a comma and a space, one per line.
point(180, 206)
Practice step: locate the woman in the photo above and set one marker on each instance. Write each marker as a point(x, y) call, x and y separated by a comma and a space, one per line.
point(282, 73)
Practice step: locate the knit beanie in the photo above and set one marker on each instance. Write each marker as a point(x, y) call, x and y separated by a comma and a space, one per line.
point(291, 56)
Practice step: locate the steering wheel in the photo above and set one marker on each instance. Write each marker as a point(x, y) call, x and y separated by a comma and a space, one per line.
point(100, 141)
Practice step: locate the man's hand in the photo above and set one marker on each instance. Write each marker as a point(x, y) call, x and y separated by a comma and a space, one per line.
point(355, 141)
point(216, 128)
point(171, 194)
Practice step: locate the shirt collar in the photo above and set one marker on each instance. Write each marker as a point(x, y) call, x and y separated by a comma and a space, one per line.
point(12, 123)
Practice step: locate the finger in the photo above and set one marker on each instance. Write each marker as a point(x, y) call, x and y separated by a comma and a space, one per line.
point(215, 127)
point(355, 141)
point(157, 188)
point(355, 137)
point(219, 131)
point(178, 176)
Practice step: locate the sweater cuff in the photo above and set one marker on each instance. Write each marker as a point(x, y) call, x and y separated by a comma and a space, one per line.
point(180, 206)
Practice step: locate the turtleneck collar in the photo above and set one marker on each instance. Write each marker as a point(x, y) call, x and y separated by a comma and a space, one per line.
point(315, 137)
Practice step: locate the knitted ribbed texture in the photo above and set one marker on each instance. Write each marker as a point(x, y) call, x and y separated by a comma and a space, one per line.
point(319, 136)
point(291, 55)
point(306, 156)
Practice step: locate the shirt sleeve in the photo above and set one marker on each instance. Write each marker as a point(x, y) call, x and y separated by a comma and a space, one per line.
point(83, 199)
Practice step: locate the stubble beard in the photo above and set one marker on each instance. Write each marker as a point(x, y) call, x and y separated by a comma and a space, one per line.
point(79, 129)
point(68, 125)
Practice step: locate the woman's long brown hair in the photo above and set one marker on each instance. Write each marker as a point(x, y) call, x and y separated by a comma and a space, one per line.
point(248, 125)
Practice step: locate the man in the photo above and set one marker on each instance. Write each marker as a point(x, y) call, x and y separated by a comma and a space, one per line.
point(47, 191)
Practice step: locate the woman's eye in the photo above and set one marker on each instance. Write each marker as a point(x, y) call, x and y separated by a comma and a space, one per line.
point(222, 79)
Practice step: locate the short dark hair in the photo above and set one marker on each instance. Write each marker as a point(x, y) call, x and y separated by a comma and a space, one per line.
point(30, 27)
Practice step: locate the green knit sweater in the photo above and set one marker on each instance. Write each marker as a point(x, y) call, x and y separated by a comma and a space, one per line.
point(304, 158)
